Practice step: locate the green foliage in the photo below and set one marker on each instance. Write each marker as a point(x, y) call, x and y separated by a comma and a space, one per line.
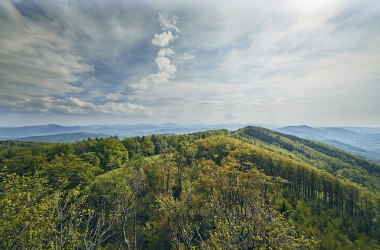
point(241, 213)
point(69, 171)
point(23, 161)
point(319, 155)
point(26, 218)
point(110, 151)
point(118, 193)
point(250, 189)
point(139, 146)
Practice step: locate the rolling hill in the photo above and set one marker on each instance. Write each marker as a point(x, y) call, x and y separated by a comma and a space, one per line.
point(252, 187)
point(330, 159)
point(363, 142)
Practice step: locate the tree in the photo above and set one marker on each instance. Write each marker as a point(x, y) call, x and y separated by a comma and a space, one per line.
point(26, 220)
point(69, 171)
point(240, 210)
point(118, 192)
point(110, 151)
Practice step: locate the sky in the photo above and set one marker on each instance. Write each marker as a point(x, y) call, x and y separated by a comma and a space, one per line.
point(287, 62)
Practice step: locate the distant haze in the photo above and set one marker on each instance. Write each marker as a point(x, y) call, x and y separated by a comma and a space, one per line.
point(190, 62)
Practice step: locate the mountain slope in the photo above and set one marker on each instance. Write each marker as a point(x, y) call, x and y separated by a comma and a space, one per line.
point(18, 132)
point(366, 139)
point(257, 187)
point(302, 131)
point(370, 155)
point(335, 161)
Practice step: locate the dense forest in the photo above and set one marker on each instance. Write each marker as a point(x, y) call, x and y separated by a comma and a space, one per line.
point(248, 189)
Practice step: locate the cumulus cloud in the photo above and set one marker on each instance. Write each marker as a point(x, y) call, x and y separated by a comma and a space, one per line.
point(168, 23)
point(163, 39)
point(165, 66)
point(165, 52)
point(166, 69)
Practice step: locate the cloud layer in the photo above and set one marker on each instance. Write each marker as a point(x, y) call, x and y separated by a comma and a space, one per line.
point(288, 62)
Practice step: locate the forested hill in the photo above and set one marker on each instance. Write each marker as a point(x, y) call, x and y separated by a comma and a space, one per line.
point(363, 142)
point(335, 161)
point(248, 189)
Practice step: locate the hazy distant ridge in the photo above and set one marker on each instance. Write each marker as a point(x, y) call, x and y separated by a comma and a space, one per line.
point(21, 133)
point(64, 137)
point(360, 141)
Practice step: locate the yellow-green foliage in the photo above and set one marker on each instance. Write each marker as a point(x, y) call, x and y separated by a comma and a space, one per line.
point(252, 189)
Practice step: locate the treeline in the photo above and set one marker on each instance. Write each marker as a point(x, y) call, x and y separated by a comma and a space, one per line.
point(205, 190)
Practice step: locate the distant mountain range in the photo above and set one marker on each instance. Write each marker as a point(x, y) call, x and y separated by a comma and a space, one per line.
point(58, 133)
point(63, 138)
point(360, 141)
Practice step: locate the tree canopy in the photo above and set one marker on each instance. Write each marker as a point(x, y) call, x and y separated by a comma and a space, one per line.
point(249, 189)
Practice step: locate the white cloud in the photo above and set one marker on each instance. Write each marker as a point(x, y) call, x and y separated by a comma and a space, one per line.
point(53, 48)
point(122, 108)
point(168, 23)
point(72, 105)
point(259, 61)
point(165, 66)
point(166, 69)
point(154, 79)
point(33, 54)
point(163, 39)
point(165, 52)
point(115, 96)
point(187, 56)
